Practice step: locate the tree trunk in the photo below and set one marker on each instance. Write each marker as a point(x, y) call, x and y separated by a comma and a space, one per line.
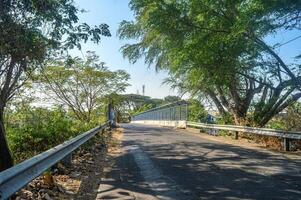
point(6, 160)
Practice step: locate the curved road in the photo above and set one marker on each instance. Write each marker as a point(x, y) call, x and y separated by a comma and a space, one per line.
point(163, 163)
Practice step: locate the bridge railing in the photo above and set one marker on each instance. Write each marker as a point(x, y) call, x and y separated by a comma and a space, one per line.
point(287, 136)
point(172, 114)
point(15, 178)
point(173, 111)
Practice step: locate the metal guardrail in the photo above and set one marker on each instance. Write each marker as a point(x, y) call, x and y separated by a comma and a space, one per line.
point(15, 178)
point(286, 135)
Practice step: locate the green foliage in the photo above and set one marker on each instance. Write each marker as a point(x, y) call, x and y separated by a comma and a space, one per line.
point(34, 30)
point(127, 105)
point(276, 124)
point(197, 112)
point(81, 85)
point(22, 23)
point(171, 99)
point(289, 120)
point(80, 88)
point(225, 119)
point(33, 130)
point(292, 119)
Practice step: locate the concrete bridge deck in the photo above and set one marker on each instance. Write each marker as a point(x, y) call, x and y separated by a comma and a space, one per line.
point(162, 163)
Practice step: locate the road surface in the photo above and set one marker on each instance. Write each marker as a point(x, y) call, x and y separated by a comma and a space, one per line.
point(162, 163)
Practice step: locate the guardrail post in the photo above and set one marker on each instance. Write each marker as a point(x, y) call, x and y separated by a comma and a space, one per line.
point(67, 161)
point(286, 144)
point(288, 137)
point(236, 135)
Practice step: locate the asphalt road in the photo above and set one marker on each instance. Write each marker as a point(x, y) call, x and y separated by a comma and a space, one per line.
point(175, 164)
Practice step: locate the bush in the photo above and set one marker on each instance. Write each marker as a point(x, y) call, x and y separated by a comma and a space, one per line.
point(197, 112)
point(33, 130)
point(225, 119)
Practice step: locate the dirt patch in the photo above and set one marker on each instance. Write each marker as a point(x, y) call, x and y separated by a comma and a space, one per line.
point(81, 179)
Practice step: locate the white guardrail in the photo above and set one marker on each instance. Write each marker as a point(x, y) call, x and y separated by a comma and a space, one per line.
point(15, 178)
point(286, 135)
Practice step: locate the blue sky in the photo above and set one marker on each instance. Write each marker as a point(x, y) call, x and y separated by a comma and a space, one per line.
point(112, 12)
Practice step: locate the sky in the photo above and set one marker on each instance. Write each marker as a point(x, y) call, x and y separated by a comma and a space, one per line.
point(112, 12)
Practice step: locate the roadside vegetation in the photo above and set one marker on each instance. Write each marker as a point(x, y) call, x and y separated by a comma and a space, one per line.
point(64, 102)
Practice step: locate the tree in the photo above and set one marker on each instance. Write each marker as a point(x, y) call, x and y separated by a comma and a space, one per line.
point(135, 103)
point(31, 31)
point(81, 85)
point(197, 112)
point(217, 49)
point(171, 99)
point(288, 120)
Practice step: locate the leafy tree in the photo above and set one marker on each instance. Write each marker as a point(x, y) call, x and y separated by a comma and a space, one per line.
point(127, 105)
point(170, 99)
point(134, 102)
point(288, 120)
point(81, 85)
point(197, 112)
point(217, 49)
point(33, 130)
point(32, 31)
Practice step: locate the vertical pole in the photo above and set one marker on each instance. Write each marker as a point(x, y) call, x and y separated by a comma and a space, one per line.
point(186, 107)
point(67, 161)
point(180, 112)
point(236, 135)
point(286, 144)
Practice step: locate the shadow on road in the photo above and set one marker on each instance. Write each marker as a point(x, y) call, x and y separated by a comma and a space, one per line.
point(213, 170)
point(123, 181)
